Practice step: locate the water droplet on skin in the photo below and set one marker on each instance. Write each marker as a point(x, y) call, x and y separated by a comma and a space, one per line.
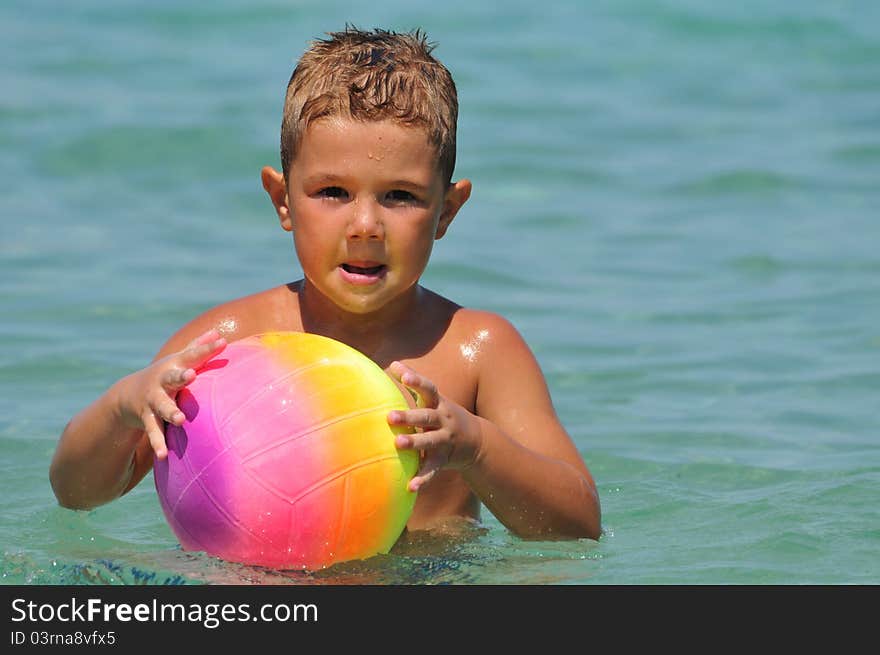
point(227, 325)
point(471, 349)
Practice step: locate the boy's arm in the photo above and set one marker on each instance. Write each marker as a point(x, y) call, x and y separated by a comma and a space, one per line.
point(108, 447)
point(514, 453)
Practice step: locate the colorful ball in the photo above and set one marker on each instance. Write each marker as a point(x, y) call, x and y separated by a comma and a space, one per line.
point(286, 458)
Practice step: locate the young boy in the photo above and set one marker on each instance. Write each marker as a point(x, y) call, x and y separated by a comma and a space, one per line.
point(367, 152)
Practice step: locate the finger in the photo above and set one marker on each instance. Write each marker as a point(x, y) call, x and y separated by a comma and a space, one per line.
point(206, 337)
point(424, 388)
point(166, 409)
point(420, 440)
point(176, 378)
point(429, 468)
point(418, 418)
point(155, 434)
point(426, 391)
point(196, 355)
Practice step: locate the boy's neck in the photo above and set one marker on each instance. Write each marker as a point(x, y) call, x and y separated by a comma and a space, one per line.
point(377, 334)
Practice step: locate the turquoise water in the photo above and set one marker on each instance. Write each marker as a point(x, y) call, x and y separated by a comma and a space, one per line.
point(677, 203)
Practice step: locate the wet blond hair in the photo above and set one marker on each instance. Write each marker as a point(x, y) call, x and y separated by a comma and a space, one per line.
point(372, 76)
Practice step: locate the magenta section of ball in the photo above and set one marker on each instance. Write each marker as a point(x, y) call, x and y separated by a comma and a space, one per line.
point(220, 493)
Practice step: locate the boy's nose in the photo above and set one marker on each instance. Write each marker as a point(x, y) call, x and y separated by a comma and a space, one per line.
point(365, 222)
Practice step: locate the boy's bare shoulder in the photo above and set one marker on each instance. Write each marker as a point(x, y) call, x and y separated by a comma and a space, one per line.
point(264, 311)
point(473, 320)
point(484, 336)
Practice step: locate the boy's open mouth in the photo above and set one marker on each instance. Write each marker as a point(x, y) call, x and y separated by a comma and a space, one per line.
point(363, 270)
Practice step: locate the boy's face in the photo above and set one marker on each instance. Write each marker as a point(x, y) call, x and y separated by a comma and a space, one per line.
point(365, 202)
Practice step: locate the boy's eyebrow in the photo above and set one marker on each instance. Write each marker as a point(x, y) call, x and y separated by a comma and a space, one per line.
point(321, 178)
point(324, 175)
point(409, 183)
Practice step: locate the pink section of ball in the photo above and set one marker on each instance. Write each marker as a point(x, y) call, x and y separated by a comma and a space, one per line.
point(230, 451)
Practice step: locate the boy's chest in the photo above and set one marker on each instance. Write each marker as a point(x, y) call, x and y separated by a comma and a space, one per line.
point(443, 353)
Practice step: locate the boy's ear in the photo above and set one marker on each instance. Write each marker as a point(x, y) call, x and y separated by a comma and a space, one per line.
point(273, 183)
point(456, 195)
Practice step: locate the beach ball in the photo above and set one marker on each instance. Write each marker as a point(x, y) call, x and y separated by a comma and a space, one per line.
point(286, 458)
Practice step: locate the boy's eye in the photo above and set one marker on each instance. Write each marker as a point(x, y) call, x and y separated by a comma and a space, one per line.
point(398, 195)
point(332, 192)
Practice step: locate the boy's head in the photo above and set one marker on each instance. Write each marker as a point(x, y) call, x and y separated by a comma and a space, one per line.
point(372, 76)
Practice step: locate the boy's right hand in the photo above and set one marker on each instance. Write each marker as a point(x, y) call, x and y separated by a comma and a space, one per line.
point(148, 399)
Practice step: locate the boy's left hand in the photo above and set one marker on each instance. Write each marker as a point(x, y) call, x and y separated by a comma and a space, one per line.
point(447, 433)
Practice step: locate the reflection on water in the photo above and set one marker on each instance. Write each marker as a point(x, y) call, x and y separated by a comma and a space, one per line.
point(438, 556)
point(453, 553)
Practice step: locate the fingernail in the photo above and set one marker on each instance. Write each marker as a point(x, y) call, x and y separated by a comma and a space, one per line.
point(403, 441)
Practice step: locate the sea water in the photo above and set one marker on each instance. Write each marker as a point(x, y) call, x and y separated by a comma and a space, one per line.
point(677, 203)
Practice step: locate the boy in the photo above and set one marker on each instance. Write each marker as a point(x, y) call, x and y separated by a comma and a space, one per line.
point(367, 151)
